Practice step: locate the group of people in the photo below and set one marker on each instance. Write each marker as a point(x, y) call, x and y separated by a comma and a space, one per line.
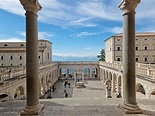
point(65, 85)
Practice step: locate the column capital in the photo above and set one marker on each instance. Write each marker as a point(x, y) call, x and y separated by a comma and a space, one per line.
point(128, 5)
point(31, 5)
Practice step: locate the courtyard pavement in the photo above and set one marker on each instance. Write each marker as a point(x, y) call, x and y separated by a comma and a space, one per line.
point(89, 101)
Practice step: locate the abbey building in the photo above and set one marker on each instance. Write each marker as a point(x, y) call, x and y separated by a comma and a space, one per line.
point(14, 53)
point(144, 48)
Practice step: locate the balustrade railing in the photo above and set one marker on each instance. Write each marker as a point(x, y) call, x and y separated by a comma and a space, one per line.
point(141, 69)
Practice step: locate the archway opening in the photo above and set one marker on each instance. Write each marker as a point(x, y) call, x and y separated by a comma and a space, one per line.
point(140, 88)
point(4, 97)
point(153, 94)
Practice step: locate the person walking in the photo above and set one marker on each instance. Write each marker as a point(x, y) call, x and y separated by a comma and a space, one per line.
point(69, 85)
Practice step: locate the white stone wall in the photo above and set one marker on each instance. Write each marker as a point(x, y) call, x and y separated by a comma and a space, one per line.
point(17, 50)
point(114, 47)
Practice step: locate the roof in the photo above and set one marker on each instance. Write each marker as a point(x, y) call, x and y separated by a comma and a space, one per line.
point(138, 34)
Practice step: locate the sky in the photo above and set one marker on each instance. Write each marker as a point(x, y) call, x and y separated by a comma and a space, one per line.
point(76, 28)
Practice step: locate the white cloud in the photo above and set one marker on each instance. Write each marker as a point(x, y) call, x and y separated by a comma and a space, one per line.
point(114, 30)
point(13, 39)
point(41, 35)
point(12, 6)
point(82, 12)
point(74, 55)
point(88, 48)
point(97, 9)
point(85, 34)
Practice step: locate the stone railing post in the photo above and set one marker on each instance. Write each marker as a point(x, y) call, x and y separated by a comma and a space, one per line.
point(33, 106)
point(129, 79)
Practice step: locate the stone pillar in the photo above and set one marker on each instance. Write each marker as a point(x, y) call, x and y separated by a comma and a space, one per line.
point(67, 72)
point(129, 80)
point(33, 106)
point(83, 76)
point(90, 72)
point(113, 83)
point(108, 88)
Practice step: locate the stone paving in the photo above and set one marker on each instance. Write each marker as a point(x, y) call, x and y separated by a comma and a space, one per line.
point(89, 101)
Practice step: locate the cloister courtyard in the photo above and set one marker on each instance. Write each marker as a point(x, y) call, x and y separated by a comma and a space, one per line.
point(88, 101)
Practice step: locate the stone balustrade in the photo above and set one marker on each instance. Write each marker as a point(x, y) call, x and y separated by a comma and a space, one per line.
point(141, 69)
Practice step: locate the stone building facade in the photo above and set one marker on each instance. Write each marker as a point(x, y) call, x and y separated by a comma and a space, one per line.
point(144, 46)
point(14, 53)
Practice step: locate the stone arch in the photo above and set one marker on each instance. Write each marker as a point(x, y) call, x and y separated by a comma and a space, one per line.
point(4, 97)
point(94, 71)
point(86, 72)
point(70, 72)
point(152, 94)
point(19, 93)
point(140, 88)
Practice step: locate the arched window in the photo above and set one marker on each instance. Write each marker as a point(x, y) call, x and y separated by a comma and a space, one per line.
point(145, 48)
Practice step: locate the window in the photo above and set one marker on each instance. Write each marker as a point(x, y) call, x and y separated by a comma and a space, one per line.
point(48, 55)
point(136, 39)
point(20, 57)
point(5, 45)
point(118, 48)
point(21, 44)
point(136, 48)
point(153, 58)
point(39, 57)
point(145, 59)
point(145, 48)
point(118, 59)
point(137, 59)
point(145, 39)
point(20, 64)
point(11, 64)
point(1, 57)
point(118, 39)
point(11, 57)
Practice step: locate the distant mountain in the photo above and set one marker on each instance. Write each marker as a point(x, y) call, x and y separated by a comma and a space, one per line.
point(73, 58)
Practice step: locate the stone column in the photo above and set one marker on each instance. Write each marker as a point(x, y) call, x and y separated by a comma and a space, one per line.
point(90, 72)
point(83, 76)
point(32, 72)
point(67, 72)
point(113, 83)
point(129, 80)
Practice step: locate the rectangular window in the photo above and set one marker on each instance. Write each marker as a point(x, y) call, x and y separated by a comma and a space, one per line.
point(145, 59)
point(48, 55)
point(11, 57)
point(20, 57)
point(1, 57)
point(136, 48)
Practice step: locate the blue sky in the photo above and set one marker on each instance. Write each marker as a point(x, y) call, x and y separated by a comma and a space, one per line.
point(77, 28)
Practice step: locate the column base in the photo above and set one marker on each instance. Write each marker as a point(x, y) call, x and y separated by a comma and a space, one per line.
point(130, 109)
point(108, 96)
point(32, 110)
